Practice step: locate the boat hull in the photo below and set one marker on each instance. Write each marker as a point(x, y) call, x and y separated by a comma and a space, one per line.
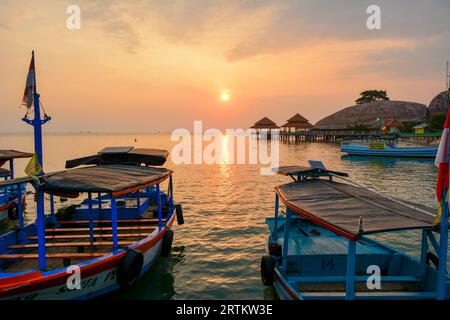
point(354, 149)
point(283, 288)
point(317, 267)
point(98, 276)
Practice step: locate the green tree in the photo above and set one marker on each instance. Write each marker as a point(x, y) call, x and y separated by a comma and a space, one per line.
point(371, 95)
point(436, 122)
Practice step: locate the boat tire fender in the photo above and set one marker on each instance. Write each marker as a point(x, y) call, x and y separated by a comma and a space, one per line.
point(267, 270)
point(166, 243)
point(275, 250)
point(13, 212)
point(130, 268)
point(179, 212)
point(434, 259)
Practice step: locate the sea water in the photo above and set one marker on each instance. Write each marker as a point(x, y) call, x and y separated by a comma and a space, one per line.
point(216, 253)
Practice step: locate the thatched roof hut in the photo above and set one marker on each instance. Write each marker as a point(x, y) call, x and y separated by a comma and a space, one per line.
point(297, 122)
point(439, 104)
point(265, 123)
point(367, 114)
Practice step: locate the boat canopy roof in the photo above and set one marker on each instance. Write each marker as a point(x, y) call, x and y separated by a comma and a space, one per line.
point(352, 211)
point(122, 155)
point(6, 155)
point(113, 179)
point(316, 169)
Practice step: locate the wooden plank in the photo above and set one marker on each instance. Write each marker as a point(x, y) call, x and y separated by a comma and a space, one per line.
point(337, 279)
point(138, 221)
point(33, 256)
point(370, 295)
point(60, 230)
point(70, 244)
point(86, 236)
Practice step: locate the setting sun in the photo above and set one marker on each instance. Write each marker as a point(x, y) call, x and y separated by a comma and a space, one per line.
point(225, 96)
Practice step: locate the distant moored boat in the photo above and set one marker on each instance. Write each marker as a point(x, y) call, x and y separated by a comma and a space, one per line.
point(383, 150)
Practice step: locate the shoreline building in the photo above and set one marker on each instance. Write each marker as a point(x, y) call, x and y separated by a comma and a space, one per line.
point(265, 125)
point(295, 129)
point(297, 123)
point(391, 126)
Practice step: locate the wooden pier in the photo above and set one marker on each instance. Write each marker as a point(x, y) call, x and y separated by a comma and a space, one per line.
point(329, 137)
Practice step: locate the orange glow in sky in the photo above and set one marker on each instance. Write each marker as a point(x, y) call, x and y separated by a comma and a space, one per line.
point(156, 66)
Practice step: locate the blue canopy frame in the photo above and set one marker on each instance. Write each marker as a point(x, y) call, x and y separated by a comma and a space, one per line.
point(440, 248)
point(42, 219)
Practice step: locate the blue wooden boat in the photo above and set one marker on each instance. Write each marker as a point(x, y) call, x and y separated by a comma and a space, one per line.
point(8, 196)
point(383, 150)
point(100, 243)
point(113, 236)
point(320, 247)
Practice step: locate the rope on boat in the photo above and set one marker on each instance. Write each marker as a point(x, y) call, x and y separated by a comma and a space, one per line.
point(377, 204)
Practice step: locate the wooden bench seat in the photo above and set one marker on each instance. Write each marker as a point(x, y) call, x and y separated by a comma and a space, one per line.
point(60, 230)
point(138, 221)
point(86, 236)
point(69, 244)
point(33, 256)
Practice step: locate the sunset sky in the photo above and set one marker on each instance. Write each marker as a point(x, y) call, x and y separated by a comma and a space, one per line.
point(143, 66)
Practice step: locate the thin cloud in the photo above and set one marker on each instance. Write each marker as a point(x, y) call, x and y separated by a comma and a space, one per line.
point(114, 19)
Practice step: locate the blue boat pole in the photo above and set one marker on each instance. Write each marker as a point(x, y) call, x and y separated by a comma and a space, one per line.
point(285, 241)
point(275, 224)
point(158, 204)
point(41, 229)
point(19, 206)
point(11, 168)
point(37, 122)
point(138, 201)
point(21, 235)
point(443, 248)
point(91, 222)
point(52, 218)
point(423, 256)
point(171, 191)
point(351, 262)
point(114, 223)
point(99, 197)
point(52, 205)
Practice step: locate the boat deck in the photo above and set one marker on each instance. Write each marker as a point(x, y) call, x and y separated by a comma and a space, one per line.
point(69, 243)
point(317, 261)
point(306, 288)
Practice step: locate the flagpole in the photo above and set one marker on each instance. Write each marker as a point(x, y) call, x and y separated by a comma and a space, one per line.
point(37, 122)
point(443, 248)
point(443, 242)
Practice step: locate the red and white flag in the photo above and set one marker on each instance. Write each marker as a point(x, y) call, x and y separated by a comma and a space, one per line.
point(442, 163)
point(27, 99)
point(442, 160)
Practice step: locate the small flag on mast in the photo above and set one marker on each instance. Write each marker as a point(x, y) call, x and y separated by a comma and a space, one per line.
point(27, 99)
point(33, 168)
point(443, 167)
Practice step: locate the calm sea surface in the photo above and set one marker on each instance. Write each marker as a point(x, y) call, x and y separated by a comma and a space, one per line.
point(216, 253)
